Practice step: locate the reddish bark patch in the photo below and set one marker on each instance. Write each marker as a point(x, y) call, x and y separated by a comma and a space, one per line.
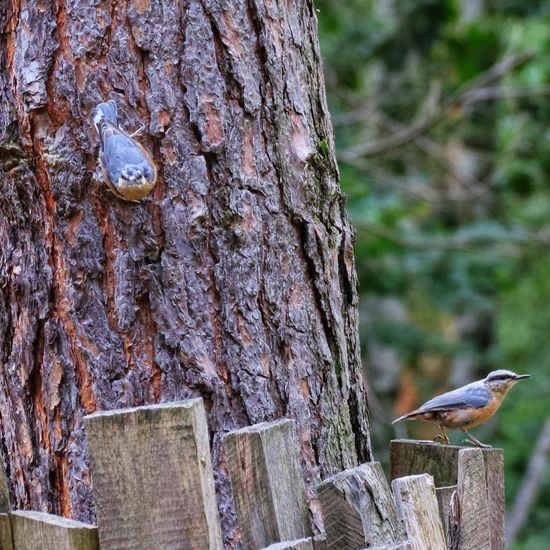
point(141, 5)
point(214, 126)
point(163, 118)
point(61, 463)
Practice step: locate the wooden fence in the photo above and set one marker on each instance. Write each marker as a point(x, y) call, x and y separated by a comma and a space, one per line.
point(154, 489)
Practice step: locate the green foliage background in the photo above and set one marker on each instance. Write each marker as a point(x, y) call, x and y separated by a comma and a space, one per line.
point(453, 222)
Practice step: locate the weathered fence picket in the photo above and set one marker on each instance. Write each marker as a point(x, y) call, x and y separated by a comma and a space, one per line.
point(5, 527)
point(4, 493)
point(494, 472)
point(152, 478)
point(5, 533)
point(400, 546)
point(418, 509)
point(41, 531)
point(154, 489)
point(267, 480)
point(409, 457)
point(358, 509)
point(472, 513)
point(444, 496)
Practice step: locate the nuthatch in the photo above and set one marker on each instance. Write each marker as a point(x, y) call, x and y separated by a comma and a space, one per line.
point(127, 167)
point(468, 406)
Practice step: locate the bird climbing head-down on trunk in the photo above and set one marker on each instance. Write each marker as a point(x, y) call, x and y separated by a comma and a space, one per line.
point(127, 168)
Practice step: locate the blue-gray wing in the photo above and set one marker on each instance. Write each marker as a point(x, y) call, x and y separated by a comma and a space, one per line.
point(473, 396)
point(119, 150)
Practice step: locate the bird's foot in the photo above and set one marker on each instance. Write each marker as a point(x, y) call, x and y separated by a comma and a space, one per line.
point(475, 443)
point(139, 131)
point(443, 438)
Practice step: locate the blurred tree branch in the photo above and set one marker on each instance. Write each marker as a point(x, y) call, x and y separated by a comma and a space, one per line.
point(509, 241)
point(489, 93)
point(500, 92)
point(423, 192)
point(465, 95)
point(475, 188)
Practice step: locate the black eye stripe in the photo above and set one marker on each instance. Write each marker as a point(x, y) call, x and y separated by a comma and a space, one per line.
point(500, 377)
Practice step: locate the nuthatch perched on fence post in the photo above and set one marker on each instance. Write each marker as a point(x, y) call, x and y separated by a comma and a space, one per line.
point(127, 167)
point(468, 406)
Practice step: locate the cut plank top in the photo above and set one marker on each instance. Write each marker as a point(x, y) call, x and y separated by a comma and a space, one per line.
point(412, 457)
point(52, 519)
point(186, 404)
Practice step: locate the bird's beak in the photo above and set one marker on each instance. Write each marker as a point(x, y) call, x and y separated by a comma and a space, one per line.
point(522, 376)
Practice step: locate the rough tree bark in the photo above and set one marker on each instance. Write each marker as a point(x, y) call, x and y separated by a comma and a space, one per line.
point(234, 280)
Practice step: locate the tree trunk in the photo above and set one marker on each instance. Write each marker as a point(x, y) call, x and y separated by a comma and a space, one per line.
point(234, 280)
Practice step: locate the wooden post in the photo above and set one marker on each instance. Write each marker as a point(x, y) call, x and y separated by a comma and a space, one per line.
point(320, 541)
point(302, 544)
point(358, 509)
point(418, 509)
point(444, 496)
point(494, 471)
point(41, 531)
point(400, 546)
point(5, 527)
point(4, 492)
point(267, 481)
point(6, 541)
point(472, 511)
point(152, 477)
point(408, 457)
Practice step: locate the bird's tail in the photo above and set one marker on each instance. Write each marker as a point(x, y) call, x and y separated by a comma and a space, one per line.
point(405, 416)
point(105, 111)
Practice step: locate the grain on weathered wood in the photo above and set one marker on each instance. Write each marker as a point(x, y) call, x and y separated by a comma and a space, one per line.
point(267, 481)
point(494, 472)
point(152, 477)
point(453, 525)
point(474, 528)
point(320, 541)
point(417, 507)
point(401, 546)
point(5, 533)
point(302, 544)
point(409, 457)
point(41, 531)
point(4, 491)
point(358, 509)
point(444, 496)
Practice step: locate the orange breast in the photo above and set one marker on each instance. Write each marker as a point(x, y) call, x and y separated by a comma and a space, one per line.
point(135, 192)
point(468, 418)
